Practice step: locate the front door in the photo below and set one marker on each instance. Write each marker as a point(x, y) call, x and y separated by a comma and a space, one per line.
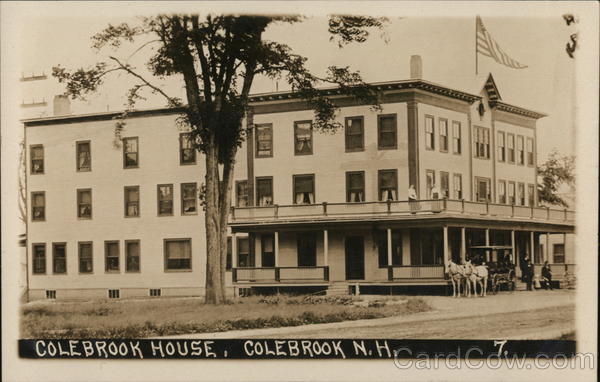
point(355, 258)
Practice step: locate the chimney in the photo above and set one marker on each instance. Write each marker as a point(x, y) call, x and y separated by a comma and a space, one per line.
point(416, 67)
point(62, 105)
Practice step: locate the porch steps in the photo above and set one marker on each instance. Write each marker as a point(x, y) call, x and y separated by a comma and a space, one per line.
point(338, 289)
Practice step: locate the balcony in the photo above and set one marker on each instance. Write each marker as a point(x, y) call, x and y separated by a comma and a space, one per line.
point(364, 211)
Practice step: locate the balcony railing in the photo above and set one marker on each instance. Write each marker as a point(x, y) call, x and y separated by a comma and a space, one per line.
point(281, 274)
point(298, 212)
point(403, 272)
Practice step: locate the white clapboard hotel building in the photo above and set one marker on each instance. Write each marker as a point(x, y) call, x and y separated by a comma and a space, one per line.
point(117, 218)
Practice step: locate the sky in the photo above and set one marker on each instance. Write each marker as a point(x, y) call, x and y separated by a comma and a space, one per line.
point(446, 45)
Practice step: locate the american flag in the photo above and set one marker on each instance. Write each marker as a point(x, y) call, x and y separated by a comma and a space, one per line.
point(487, 46)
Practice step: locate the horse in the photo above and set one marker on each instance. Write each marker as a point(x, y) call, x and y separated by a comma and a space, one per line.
point(477, 274)
point(457, 275)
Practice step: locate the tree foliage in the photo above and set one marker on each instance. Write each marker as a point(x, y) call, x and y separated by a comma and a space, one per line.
point(558, 170)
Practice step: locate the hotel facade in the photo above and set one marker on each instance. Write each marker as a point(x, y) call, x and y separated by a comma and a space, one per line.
point(117, 216)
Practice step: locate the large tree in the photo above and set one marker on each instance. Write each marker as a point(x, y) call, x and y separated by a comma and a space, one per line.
point(557, 171)
point(219, 57)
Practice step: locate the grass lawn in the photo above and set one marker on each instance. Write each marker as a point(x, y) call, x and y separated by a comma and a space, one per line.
point(170, 316)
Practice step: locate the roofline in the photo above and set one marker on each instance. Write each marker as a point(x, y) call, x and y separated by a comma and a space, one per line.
point(503, 106)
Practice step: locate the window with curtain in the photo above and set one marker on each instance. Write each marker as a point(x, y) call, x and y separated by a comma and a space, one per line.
point(456, 137)
point(387, 132)
point(443, 135)
point(130, 152)
point(59, 258)
point(530, 156)
point(38, 206)
point(429, 133)
point(511, 193)
point(39, 259)
point(264, 140)
point(388, 185)
point(189, 197)
point(267, 250)
point(264, 191)
point(178, 254)
point(355, 186)
point(37, 159)
point(531, 195)
point(132, 255)
point(354, 134)
point(521, 193)
point(481, 137)
point(111, 256)
point(429, 183)
point(165, 199)
point(187, 152)
point(85, 258)
point(502, 192)
point(510, 138)
point(304, 189)
point(501, 146)
point(84, 156)
point(483, 191)
point(458, 189)
point(132, 201)
point(84, 204)
point(303, 144)
point(241, 192)
point(243, 248)
point(444, 184)
point(520, 150)
point(382, 248)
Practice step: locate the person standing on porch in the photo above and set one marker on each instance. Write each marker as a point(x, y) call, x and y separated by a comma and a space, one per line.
point(546, 276)
point(528, 273)
point(412, 199)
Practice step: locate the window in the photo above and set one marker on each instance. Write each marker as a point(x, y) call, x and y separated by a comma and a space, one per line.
point(558, 251)
point(388, 185)
point(51, 294)
point(84, 203)
point(502, 191)
point(429, 133)
point(132, 255)
point(264, 140)
point(267, 246)
point(132, 201)
point(501, 146)
point(187, 151)
point(59, 258)
point(483, 192)
point(457, 183)
point(165, 199)
point(243, 248)
point(481, 138)
point(114, 293)
point(307, 249)
point(386, 131)
point(37, 159)
point(430, 182)
point(520, 150)
point(264, 191)
point(511, 147)
point(303, 143)
point(444, 184)
point(111, 256)
point(86, 261)
point(530, 152)
point(355, 186)
point(84, 156)
point(511, 193)
point(130, 152)
point(521, 193)
point(304, 189)
point(355, 138)
point(241, 192)
point(188, 199)
point(531, 195)
point(443, 135)
point(39, 258)
point(154, 292)
point(38, 203)
point(382, 247)
point(229, 252)
point(178, 254)
point(456, 137)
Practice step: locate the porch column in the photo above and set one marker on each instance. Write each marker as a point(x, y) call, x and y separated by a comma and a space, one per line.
point(463, 244)
point(446, 252)
point(234, 262)
point(532, 247)
point(566, 260)
point(325, 248)
point(487, 236)
point(389, 246)
point(276, 248)
point(547, 249)
point(514, 248)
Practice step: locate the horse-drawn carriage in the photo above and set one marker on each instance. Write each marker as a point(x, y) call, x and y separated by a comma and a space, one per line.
point(500, 264)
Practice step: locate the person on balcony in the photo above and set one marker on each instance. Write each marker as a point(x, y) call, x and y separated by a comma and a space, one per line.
point(546, 276)
point(412, 199)
point(435, 193)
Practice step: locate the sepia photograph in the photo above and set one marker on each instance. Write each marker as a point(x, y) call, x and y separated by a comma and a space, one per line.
point(203, 181)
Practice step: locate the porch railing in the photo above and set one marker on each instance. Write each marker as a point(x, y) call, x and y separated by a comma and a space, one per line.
point(281, 274)
point(401, 272)
point(390, 208)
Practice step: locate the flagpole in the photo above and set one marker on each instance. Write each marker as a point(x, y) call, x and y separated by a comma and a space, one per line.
point(476, 55)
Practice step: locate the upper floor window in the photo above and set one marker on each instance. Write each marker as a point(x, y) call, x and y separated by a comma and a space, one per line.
point(189, 195)
point(303, 140)
point(458, 189)
point(429, 133)
point(387, 131)
point(59, 258)
point(502, 192)
point(84, 203)
point(521, 193)
point(430, 183)
point(510, 144)
point(39, 258)
point(355, 186)
point(520, 150)
point(111, 256)
point(304, 189)
point(37, 159)
point(530, 156)
point(132, 201)
point(354, 133)
point(130, 152)
point(241, 192)
point(443, 135)
point(388, 185)
point(187, 151)
point(531, 195)
point(481, 138)
point(84, 156)
point(264, 140)
point(456, 137)
point(501, 146)
point(444, 184)
point(178, 254)
point(511, 193)
point(165, 199)
point(483, 192)
point(38, 203)
point(86, 260)
point(264, 191)
point(132, 255)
